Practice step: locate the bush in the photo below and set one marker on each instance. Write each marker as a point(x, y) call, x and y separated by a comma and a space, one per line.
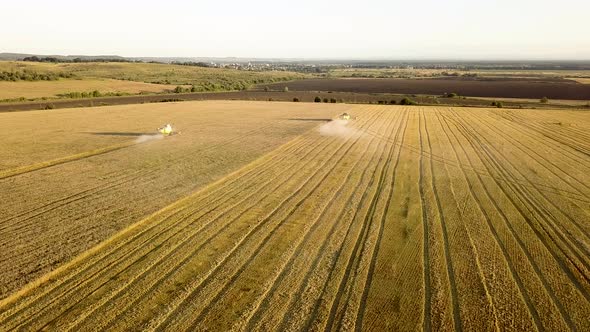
point(544, 100)
point(451, 95)
point(325, 100)
point(178, 89)
point(286, 89)
point(393, 102)
point(407, 101)
point(499, 104)
point(333, 100)
point(317, 100)
point(296, 99)
point(193, 88)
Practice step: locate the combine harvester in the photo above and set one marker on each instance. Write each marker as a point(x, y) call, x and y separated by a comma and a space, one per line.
point(167, 130)
point(345, 116)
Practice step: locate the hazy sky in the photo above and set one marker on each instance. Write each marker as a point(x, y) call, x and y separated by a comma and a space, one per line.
point(425, 29)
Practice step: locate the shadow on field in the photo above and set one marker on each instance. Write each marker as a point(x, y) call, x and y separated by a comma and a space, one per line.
point(119, 133)
point(309, 119)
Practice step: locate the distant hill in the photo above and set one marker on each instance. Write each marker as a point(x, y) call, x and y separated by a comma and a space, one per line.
point(20, 56)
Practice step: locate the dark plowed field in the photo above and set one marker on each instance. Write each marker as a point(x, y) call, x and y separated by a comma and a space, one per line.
point(466, 87)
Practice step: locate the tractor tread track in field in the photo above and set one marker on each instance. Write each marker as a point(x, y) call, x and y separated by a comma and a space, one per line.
point(265, 303)
point(360, 243)
point(556, 147)
point(510, 263)
point(426, 312)
point(459, 211)
point(484, 155)
point(446, 247)
point(528, 199)
point(547, 200)
point(373, 260)
point(544, 163)
point(316, 306)
point(314, 224)
point(576, 146)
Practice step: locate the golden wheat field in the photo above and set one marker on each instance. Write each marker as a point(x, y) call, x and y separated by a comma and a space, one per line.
point(71, 178)
point(265, 216)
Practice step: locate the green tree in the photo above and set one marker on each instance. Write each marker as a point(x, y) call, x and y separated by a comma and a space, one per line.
point(317, 99)
point(544, 100)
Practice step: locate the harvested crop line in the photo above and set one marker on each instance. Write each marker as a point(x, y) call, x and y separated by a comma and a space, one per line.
point(403, 218)
point(539, 238)
point(545, 219)
point(31, 168)
point(298, 312)
point(286, 279)
point(340, 304)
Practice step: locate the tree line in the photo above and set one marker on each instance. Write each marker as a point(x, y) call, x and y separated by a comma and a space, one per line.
point(75, 60)
point(28, 75)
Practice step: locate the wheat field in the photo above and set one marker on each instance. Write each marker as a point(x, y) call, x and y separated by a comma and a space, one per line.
point(404, 218)
point(51, 89)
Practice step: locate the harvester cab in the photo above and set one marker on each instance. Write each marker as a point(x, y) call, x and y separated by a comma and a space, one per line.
point(166, 130)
